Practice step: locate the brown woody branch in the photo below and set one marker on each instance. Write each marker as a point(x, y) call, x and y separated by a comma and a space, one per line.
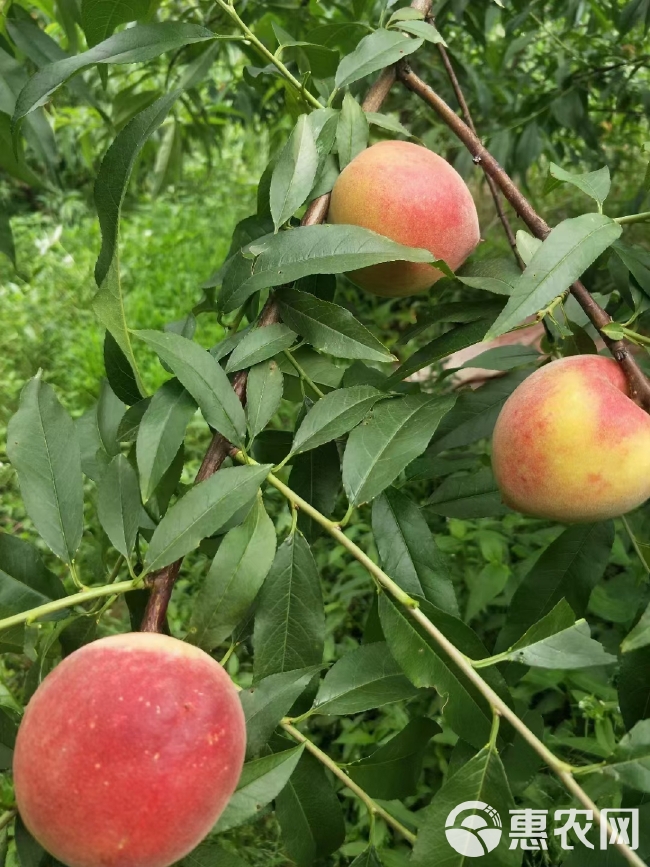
point(638, 383)
point(162, 582)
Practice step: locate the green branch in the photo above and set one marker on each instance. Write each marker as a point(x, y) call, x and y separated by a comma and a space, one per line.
point(633, 218)
point(264, 51)
point(302, 373)
point(69, 602)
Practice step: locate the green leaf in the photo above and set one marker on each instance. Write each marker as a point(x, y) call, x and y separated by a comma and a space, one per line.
point(118, 504)
point(423, 30)
point(364, 679)
point(261, 781)
point(328, 327)
point(527, 246)
point(334, 415)
point(260, 344)
point(504, 357)
point(387, 122)
point(440, 347)
point(43, 447)
point(631, 759)
point(161, 432)
point(205, 380)
point(99, 18)
point(290, 621)
point(566, 253)
point(408, 551)
point(637, 260)
point(110, 189)
point(499, 276)
point(452, 311)
point(316, 477)
point(633, 686)
point(376, 51)
point(568, 649)
point(481, 780)
point(395, 433)
point(208, 853)
point(309, 814)
point(291, 255)
point(201, 512)
point(369, 858)
point(119, 372)
point(393, 770)
point(7, 245)
point(264, 389)
point(134, 45)
point(294, 172)
point(266, 703)
point(472, 495)
point(475, 413)
point(594, 184)
point(569, 568)
point(238, 570)
point(427, 665)
point(639, 636)
point(352, 131)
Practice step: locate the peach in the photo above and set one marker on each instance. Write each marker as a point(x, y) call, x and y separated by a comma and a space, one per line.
point(413, 196)
point(570, 444)
point(128, 752)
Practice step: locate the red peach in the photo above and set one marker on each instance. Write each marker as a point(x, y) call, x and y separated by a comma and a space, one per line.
point(413, 196)
point(128, 752)
point(570, 444)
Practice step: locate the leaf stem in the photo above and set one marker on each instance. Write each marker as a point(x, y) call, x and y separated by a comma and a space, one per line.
point(635, 543)
point(264, 51)
point(68, 602)
point(7, 817)
point(643, 217)
point(372, 806)
point(304, 376)
point(560, 768)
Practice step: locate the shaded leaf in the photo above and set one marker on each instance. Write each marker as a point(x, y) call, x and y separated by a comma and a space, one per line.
point(365, 678)
point(264, 389)
point(43, 447)
point(290, 621)
point(316, 477)
point(236, 574)
point(118, 504)
point(472, 495)
point(294, 172)
point(352, 131)
point(99, 18)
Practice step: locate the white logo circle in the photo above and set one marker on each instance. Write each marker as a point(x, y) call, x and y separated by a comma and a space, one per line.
point(477, 833)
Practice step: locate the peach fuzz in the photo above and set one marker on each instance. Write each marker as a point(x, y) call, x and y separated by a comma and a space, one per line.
point(413, 196)
point(570, 444)
point(128, 752)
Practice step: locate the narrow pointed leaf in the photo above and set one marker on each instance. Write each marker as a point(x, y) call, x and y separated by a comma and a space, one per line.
point(294, 172)
point(237, 572)
point(264, 389)
point(99, 18)
point(289, 256)
point(161, 432)
point(118, 504)
point(594, 184)
point(43, 447)
point(290, 621)
point(396, 432)
point(570, 648)
point(205, 380)
point(368, 677)
point(260, 344)
point(334, 415)
point(566, 253)
point(352, 131)
point(328, 327)
point(376, 51)
point(201, 512)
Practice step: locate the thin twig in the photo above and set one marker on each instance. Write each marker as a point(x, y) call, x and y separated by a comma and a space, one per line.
point(372, 806)
point(639, 385)
point(494, 190)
